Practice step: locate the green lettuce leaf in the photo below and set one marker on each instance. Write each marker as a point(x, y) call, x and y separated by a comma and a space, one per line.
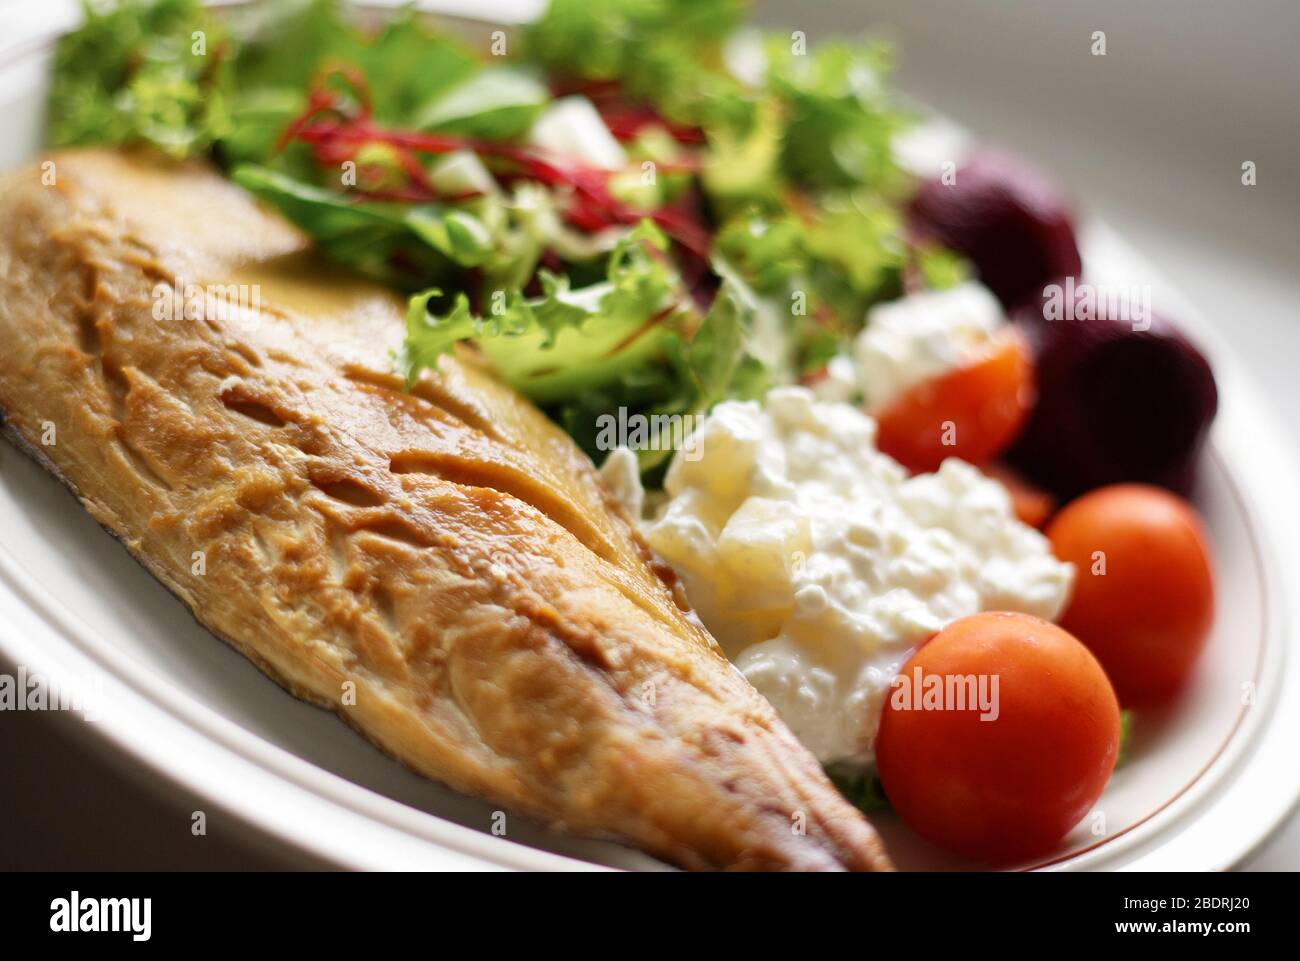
point(860, 787)
point(156, 71)
point(839, 120)
point(563, 340)
point(170, 73)
point(632, 340)
point(285, 45)
point(820, 271)
point(941, 268)
point(499, 103)
point(400, 244)
point(407, 64)
point(1125, 734)
point(666, 52)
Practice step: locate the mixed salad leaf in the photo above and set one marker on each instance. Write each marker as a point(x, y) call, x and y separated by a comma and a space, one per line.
point(157, 72)
point(633, 204)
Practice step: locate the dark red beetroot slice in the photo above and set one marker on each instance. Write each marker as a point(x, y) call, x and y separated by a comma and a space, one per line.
point(1012, 223)
point(1114, 404)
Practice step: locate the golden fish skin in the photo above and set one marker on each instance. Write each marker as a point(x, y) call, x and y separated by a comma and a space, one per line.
point(446, 554)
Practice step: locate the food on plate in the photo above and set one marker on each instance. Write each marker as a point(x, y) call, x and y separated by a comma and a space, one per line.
point(998, 737)
point(924, 336)
point(633, 235)
point(945, 376)
point(819, 565)
point(1031, 504)
point(1122, 396)
point(439, 565)
point(1007, 218)
point(1143, 598)
point(973, 412)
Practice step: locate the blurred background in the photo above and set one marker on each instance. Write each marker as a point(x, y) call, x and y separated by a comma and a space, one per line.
point(1150, 137)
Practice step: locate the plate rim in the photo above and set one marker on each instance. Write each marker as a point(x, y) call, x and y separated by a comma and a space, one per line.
point(144, 692)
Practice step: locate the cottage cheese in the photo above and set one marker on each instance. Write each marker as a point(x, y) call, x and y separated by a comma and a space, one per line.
point(819, 566)
point(912, 339)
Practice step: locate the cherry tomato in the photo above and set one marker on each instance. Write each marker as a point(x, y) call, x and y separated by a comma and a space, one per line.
point(1010, 787)
point(1143, 596)
point(973, 412)
point(1032, 505)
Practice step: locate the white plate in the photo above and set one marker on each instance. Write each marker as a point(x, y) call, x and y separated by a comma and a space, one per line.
point(1206, 781)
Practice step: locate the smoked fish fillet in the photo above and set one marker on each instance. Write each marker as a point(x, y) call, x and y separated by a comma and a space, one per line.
point(446, 555)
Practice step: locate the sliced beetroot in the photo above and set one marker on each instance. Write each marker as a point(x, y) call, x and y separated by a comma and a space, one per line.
point(1012, 223)
point(1115, 404)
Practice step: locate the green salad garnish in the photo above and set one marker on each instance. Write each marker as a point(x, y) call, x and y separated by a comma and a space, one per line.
point(631, 204)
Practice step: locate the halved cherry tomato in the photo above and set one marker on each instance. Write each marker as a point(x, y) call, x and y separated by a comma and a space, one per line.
point(1143, 596)
point(1005, 782)
point(1032, 505)
point(973, 412)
